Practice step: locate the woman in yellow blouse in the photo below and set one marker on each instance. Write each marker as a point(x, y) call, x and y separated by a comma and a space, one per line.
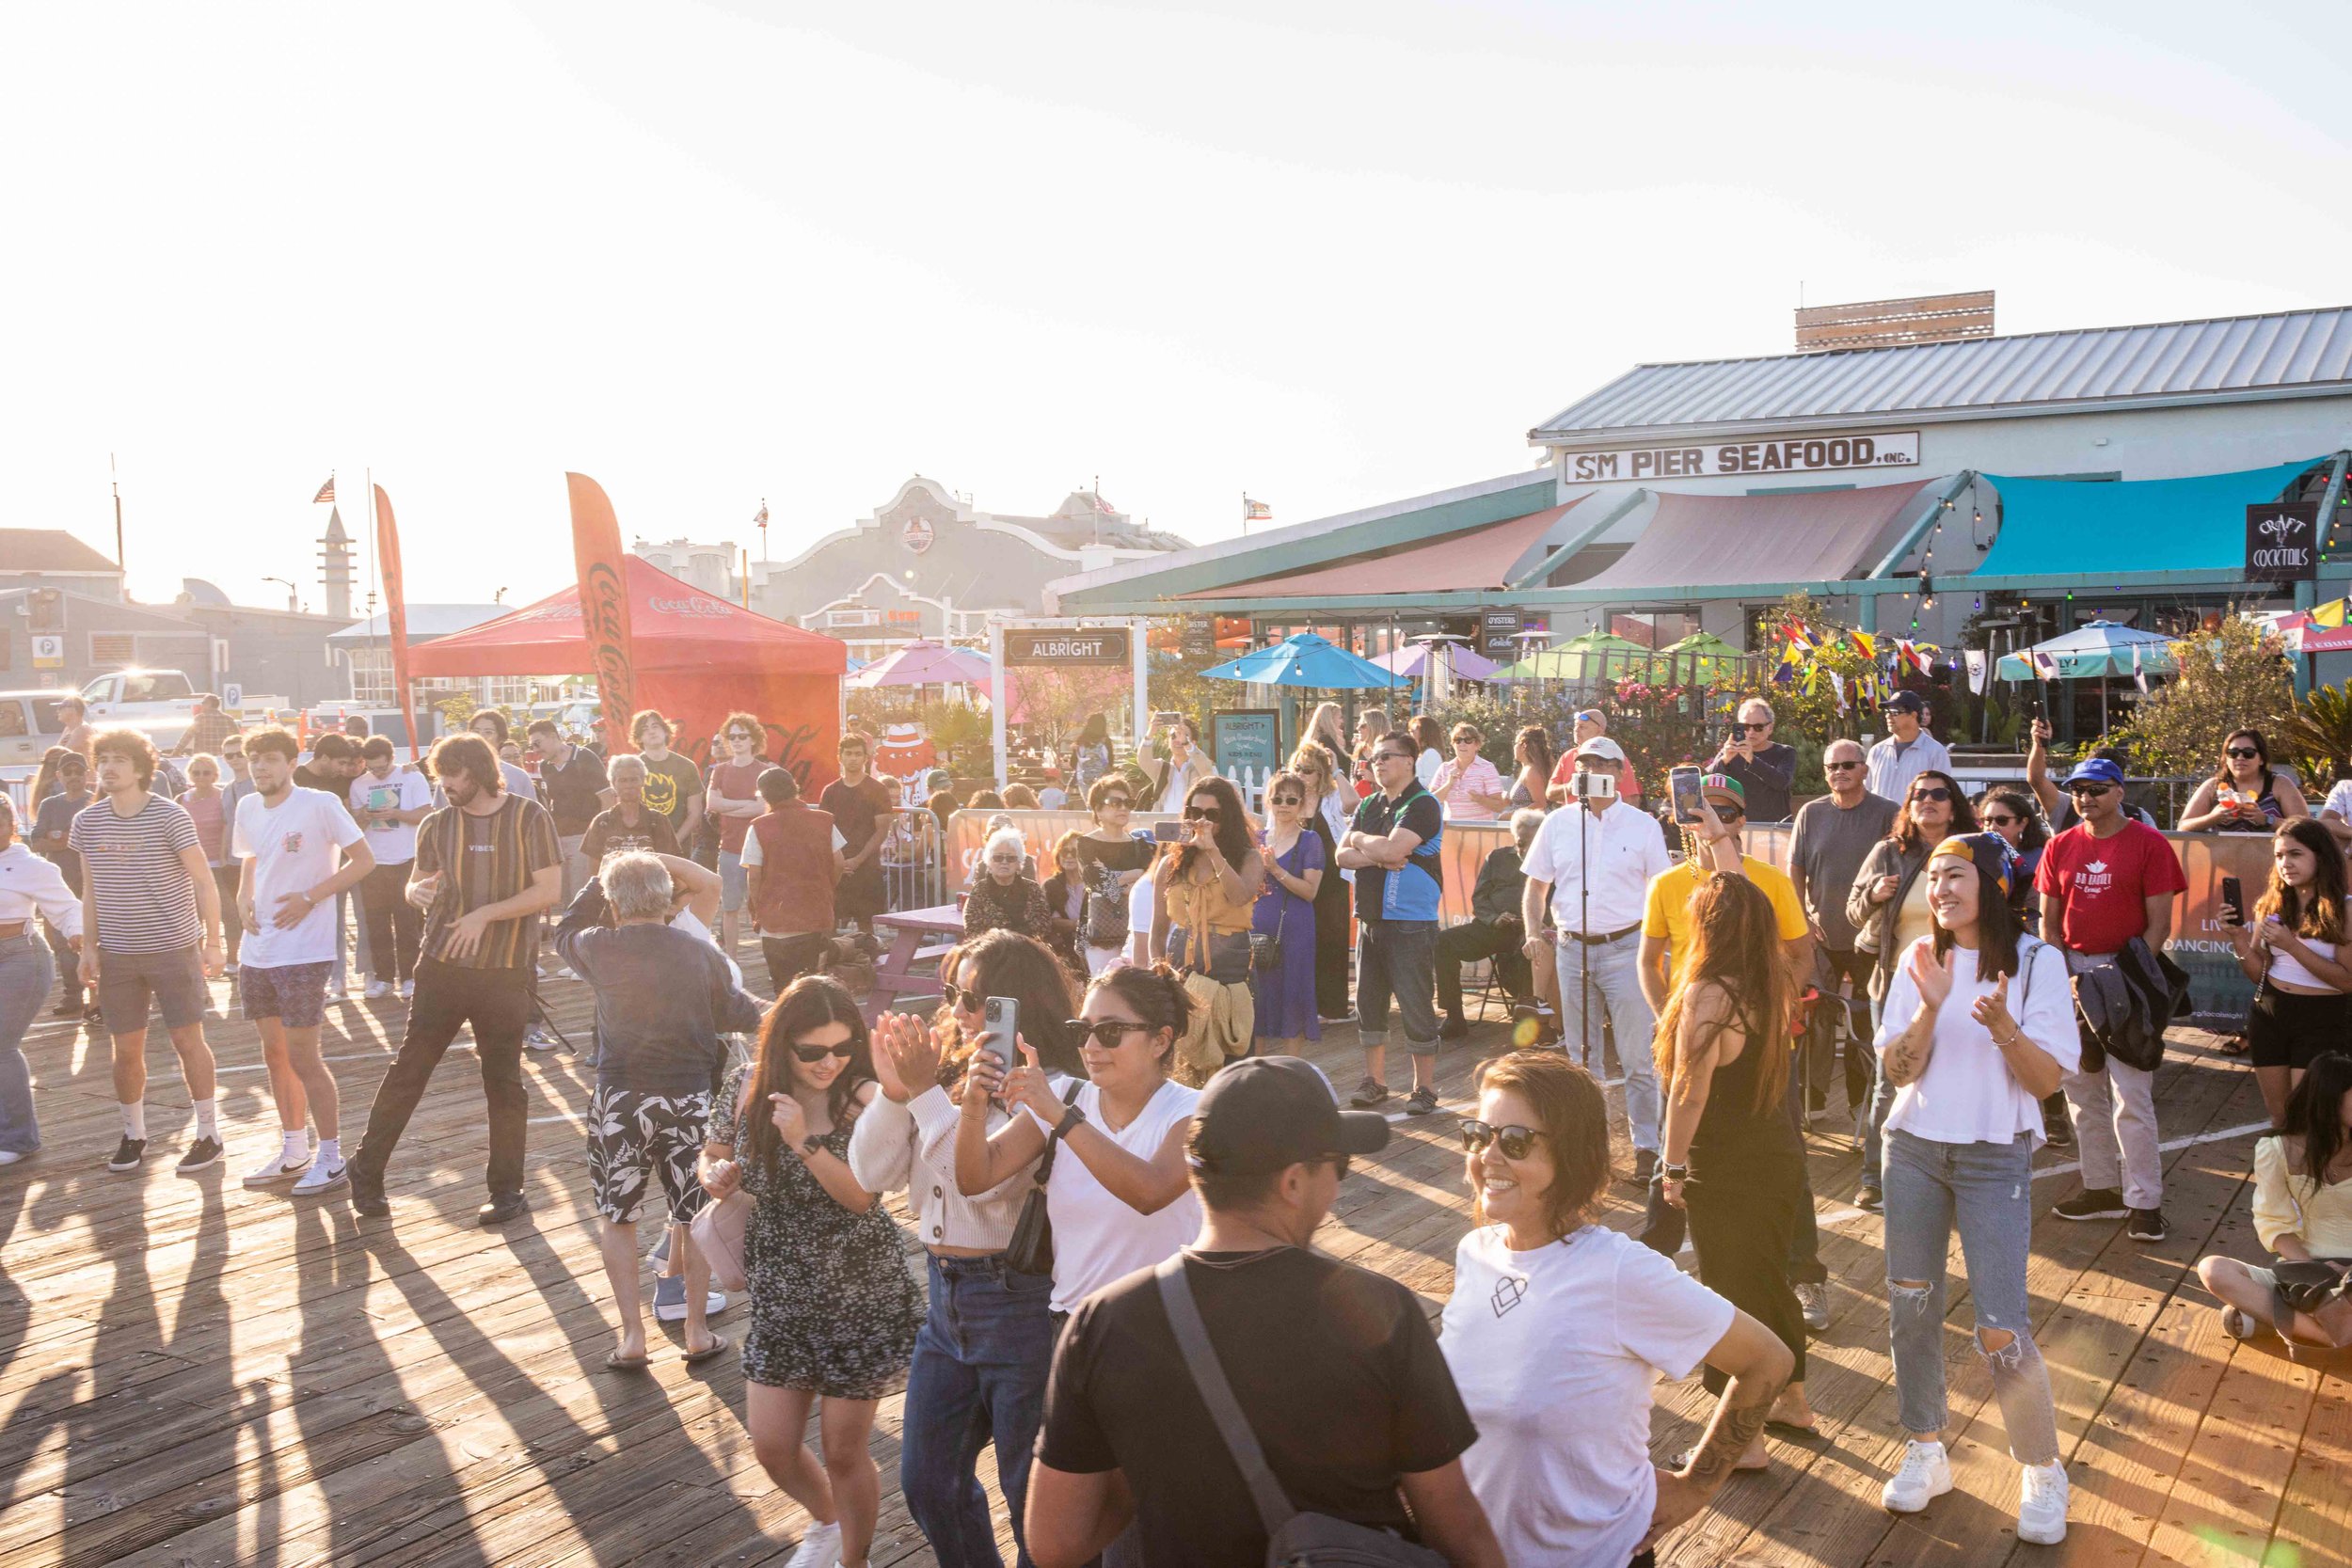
point(2302, 1208)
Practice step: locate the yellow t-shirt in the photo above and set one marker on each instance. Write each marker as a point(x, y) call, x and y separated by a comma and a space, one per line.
point(1667, 913)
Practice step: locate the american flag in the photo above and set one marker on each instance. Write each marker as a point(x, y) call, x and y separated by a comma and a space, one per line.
point(1255, 511)
point(327, 493)
point(760, 516)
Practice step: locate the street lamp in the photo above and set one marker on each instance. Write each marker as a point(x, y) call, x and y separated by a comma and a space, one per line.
point(291, 590)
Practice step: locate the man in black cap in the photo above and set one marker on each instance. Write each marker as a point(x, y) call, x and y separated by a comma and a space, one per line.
point(1908, 750)
point(1334, 1367)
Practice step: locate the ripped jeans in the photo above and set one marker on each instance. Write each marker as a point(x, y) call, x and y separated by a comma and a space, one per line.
point(1987, 1189)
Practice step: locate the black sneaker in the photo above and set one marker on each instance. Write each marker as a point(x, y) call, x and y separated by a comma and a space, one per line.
point(202, 1155)
point(69, 1008)
point(1870, 1200)
point(2101, 1203)
point(1644, 1166)
point(2056, 1130)
point(2148, 1226)
point(1454, 1028)
point(129, 1153)
point(1369, 1093)
point(499, 1210)
point(1421, 1102)
point(367, 1195)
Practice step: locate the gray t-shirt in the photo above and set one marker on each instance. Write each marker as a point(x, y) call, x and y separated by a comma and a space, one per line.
point(1829, 847)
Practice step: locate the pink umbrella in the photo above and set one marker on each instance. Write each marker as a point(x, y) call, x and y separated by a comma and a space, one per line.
point(924, 663)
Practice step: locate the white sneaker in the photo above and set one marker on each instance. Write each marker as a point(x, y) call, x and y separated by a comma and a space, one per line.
point(279, 1168)
point(408, 989)
point(819, 1548)
point(321, 1177)
point(2041, 1505)
point(9, 1156)
point(1926, 1475)
point(378, 990)
point(538, 1038)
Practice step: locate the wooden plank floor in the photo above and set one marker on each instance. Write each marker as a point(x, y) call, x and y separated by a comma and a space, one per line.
point(191, 1373)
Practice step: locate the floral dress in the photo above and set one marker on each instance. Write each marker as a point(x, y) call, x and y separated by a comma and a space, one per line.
point(833, 1308)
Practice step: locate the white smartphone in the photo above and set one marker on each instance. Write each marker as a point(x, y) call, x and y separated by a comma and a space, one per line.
point(1000, 1019)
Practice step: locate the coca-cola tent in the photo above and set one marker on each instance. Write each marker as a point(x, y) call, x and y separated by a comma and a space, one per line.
point(697, 658)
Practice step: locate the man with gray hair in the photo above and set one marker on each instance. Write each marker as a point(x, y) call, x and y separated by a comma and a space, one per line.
point(663, 998)
point(1765, 767)
point(1493, 930)
point(629, 822)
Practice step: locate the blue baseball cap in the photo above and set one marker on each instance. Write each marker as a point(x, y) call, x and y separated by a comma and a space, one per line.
point(2094, 770)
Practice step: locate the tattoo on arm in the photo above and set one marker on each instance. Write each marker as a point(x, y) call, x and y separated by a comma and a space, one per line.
point(1907, 1052)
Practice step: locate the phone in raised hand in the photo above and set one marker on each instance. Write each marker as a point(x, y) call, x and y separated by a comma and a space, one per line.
point(1000, 1020)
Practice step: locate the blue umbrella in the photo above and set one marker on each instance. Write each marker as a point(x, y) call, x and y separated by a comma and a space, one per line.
point(1303, 658)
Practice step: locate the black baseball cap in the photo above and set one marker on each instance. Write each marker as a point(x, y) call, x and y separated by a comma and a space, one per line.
point(1906, 701)
point(1268, 1112)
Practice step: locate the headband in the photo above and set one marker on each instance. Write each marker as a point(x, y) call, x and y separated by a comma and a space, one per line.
point(1988, 852)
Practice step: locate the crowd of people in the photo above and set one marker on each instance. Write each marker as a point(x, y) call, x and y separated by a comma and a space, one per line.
point(1113, 1157)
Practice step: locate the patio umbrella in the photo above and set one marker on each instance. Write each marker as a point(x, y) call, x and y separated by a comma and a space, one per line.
point(924, 663)
point(1585, 657)
point(2091, 651)
point(1303, 658)
point(1710, 657)
point(1414, 660)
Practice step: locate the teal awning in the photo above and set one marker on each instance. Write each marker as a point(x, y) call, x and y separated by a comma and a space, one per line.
point(2077, 528)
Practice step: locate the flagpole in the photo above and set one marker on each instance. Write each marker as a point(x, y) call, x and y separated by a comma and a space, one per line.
point(374, 628)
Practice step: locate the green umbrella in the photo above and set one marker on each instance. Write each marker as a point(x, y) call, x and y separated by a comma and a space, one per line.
point(1589, 656)
point(1709, 657)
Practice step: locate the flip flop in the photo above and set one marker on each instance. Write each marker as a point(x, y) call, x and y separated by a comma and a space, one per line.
point(718, 1346)
point(615, 1362)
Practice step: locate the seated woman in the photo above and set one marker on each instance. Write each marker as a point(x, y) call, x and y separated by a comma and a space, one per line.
point(1004, 898)
point(2302, 1211)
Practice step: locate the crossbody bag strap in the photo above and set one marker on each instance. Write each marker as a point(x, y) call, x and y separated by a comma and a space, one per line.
point(1208, 1376)
point(1053, 1136)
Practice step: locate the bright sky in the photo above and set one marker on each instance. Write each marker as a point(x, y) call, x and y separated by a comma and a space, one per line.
point(1327, 254)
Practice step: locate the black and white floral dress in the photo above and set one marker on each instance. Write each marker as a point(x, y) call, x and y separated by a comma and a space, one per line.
point(833, 1308)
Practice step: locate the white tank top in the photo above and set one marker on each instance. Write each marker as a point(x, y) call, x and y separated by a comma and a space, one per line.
point(2288, 969)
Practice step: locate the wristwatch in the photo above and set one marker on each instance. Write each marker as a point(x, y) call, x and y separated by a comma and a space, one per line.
point(1673, 1173)
point(812, 1145)
point(1070, 1121)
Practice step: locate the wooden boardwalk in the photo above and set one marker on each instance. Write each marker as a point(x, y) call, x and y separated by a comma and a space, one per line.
point(192, 1374)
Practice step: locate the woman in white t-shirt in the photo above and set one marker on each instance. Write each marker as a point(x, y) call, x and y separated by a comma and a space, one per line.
point(1117, 1190)
point(1978, 1027)
point(1558, 1329)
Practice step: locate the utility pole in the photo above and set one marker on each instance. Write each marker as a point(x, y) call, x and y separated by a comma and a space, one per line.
point(116, 480)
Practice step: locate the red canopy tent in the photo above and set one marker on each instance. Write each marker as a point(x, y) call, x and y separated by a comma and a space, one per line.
point(697, 658)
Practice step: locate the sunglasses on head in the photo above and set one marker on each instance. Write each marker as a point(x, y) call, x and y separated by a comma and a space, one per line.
point(1105, 1035)
point(1516, 1142)
point(812, 1054)
point(1203, 813)
point(1933, 792)
point(2244, 752)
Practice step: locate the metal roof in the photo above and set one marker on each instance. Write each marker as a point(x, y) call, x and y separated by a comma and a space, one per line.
point(2287, 354)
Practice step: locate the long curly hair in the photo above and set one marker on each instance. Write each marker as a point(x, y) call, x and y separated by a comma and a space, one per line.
point(1008, 963)
point(807, 1005)
point(1232, 825)
point(1735, 948)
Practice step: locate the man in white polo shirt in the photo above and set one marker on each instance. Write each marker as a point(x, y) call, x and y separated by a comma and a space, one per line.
point(1591, 866)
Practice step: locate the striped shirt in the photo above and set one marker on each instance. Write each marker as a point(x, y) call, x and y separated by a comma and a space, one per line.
point(145, 900)
point(492, 858)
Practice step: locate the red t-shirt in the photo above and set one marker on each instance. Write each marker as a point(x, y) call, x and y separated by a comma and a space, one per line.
point(1629, 787)
point(736, 783)
point(2102, 884)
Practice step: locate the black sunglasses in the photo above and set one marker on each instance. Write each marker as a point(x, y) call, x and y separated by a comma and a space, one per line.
point(2089, 788)
point(1992, 821)
point(1933, 792)
point(739, 734)
point(1391, 756)
point(1726, 812)
point(958, 996)
point(1338, 1164)
point(1516, 1142)
point(1840, 767)
point(1116, 802)
point(1105, 1035)
point(812, 1054)
point(1203, 813)
point(1286, 801)
point(2244, 752)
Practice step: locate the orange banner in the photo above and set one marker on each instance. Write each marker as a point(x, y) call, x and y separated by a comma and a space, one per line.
point(603, 605)
point(396, 613)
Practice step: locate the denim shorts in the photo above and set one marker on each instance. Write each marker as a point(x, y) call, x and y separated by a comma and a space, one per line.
point(294, 994)
point(173, 980)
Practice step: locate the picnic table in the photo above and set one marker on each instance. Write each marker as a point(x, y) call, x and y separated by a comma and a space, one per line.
point(915, 935)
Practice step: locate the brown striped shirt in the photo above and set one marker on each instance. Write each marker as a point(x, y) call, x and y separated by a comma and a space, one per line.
point(491, 858)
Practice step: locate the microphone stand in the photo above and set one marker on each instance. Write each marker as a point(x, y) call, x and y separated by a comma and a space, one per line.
point(1584, 926)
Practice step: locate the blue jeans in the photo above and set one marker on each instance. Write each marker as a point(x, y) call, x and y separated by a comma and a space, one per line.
point(1987, 1190)
point(26, 972)
point(978, 1377)
point(1617, 971)
point(1882, 1101)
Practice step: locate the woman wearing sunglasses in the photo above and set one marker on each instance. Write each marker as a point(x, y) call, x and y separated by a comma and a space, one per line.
point(1325, 813)
point(1888, 907)
point(834, 1314)
point(2244, 796)
point(1731, 1157)
point(1111, 862)
point(1466, 783)
point(1979, 1029)
point(1119, 1191)
point(1205, 892)
point(1005, 898)
point(1559, 1328)
point(980, 1361)
point(1284, 988)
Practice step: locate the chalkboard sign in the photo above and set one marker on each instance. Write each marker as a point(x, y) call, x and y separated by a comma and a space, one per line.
point(1246, 738)
point(2283, 542)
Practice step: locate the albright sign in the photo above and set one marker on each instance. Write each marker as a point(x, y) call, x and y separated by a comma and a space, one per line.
point(1804, 455)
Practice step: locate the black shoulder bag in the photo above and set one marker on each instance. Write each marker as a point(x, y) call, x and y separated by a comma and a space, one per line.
point(1031, 1249)
point(1294, 1538)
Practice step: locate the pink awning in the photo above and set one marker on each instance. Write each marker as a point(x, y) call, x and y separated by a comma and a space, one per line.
point(1730, 540)
point(1470, 561)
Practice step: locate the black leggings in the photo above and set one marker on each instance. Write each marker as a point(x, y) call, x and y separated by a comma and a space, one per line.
point(1741, 1227)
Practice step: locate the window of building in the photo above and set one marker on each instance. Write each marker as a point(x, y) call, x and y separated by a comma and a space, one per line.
point(113, 648)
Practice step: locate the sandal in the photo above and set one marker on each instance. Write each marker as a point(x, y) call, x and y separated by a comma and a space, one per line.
point(2233, 1045)
point(718, 1346)
point(615, 1362)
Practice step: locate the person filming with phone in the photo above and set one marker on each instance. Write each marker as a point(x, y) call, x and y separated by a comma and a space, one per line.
point(2293, 947)
point(1765, 767)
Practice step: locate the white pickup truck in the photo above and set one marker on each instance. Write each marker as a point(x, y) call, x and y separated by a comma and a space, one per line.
point(161, 704)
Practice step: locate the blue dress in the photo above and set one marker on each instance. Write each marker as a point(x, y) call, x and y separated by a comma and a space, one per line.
point(1286, 997)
